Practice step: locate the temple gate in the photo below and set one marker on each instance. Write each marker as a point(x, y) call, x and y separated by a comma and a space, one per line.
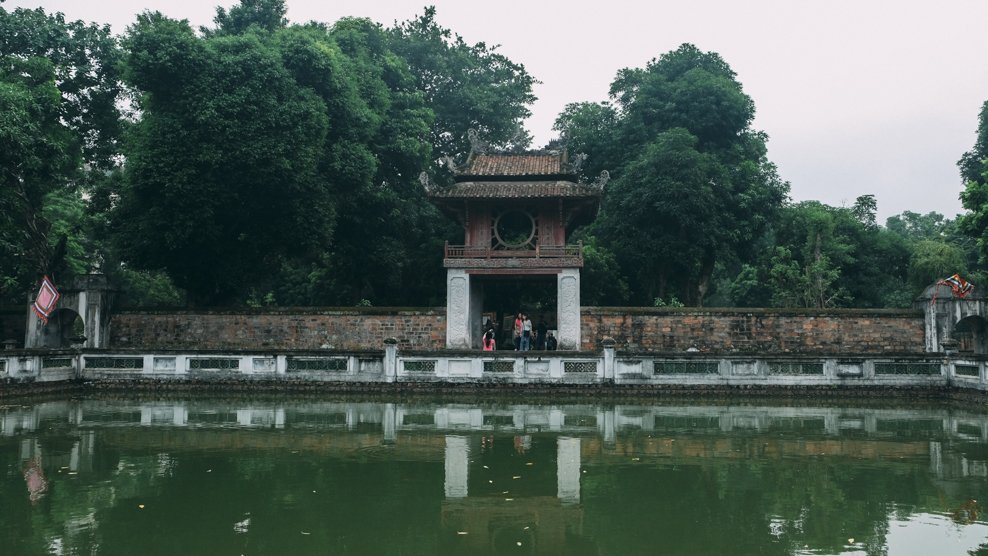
point(517, 211)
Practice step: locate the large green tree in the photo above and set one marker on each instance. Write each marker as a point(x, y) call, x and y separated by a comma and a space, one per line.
point(222, 176)
point(467, 86)
point(59, 132)
point(278, 163)
point(693, 185)
point(974, 171)
point(388, 244)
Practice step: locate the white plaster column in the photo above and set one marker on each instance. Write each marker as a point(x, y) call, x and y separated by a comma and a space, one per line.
point(458, 309)
point(390, 360)
point(568, 469)
point(609, 359)
point(568, 308)
point(457, 466)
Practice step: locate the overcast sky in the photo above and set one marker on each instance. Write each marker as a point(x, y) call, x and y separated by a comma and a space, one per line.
point(857, 96)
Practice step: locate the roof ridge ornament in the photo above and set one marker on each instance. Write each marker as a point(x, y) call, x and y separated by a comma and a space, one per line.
point(477, 145)
point(427, 183)
point(450, 163)
point(577, 164)
point(601, 180)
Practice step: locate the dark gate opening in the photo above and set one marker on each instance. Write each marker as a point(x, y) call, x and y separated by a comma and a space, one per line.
point(64, 329)
point(971, 334)
point(505, 297)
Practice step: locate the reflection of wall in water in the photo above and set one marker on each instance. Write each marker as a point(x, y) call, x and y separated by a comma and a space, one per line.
point(680, 433)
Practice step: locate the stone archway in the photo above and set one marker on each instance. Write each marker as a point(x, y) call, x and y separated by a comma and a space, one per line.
point(65, 329)
point(971, 335)
point(952, 322)
point(84, 322)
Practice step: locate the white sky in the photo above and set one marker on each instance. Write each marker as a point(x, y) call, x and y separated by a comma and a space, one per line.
point(857, 96)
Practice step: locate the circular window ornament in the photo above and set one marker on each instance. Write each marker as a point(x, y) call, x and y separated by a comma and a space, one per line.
point(514, 229)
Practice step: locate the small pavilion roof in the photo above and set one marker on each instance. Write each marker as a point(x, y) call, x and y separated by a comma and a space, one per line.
point(517, 190)
point(540, 164)
point(532, 175)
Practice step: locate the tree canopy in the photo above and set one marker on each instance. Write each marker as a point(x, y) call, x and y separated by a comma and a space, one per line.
point(278, 163)
point(974, 171)
point(258, 161)
point(59, 130)
point(692, 180)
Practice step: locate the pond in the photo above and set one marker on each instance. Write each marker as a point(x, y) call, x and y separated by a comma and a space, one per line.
point(306, 475)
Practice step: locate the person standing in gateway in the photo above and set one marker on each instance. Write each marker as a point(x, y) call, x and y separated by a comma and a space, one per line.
point(526, 333)
point(489, 343)
point(517, 331)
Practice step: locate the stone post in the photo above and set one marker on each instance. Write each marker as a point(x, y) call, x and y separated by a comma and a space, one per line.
point(390, 359)
point(459, 309)
point(609, 359)
point(568, 308)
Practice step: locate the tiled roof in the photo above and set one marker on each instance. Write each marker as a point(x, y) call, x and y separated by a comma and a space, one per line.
point(514, 165)
point(515, 190)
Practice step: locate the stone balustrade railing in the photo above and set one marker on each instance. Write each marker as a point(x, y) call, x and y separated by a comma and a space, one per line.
point(448, 366)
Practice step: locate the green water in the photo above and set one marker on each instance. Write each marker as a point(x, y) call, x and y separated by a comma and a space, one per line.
point(194, 476)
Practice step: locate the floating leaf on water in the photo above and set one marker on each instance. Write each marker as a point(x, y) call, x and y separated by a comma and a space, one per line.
point(518, 543)
point(509, 499)
point(516, 477)
point(306, 533)
point(461, 532)
point(491, 482)
point(241, 526)
point(850, 540)
point(140, 506)
point(529, 463)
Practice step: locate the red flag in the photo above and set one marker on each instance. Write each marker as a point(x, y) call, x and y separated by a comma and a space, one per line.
point(44, 303)
point(958, 285)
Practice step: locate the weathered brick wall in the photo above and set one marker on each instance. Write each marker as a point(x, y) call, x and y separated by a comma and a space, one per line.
point(850, 331)
point(755, 330)
point(344, 329)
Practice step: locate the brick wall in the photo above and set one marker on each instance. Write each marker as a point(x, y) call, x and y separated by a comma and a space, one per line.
point(346, 329)
point(755, 330)
point(850, 331)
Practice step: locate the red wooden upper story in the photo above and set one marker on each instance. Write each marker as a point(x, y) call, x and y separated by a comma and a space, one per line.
point(517, 211)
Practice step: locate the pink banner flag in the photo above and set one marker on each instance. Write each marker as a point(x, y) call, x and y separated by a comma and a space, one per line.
point(44, 303)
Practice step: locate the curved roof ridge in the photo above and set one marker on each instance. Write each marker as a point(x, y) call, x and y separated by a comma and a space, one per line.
point(545, 163)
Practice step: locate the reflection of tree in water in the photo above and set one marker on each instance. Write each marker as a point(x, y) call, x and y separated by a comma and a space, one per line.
point(814, 504)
